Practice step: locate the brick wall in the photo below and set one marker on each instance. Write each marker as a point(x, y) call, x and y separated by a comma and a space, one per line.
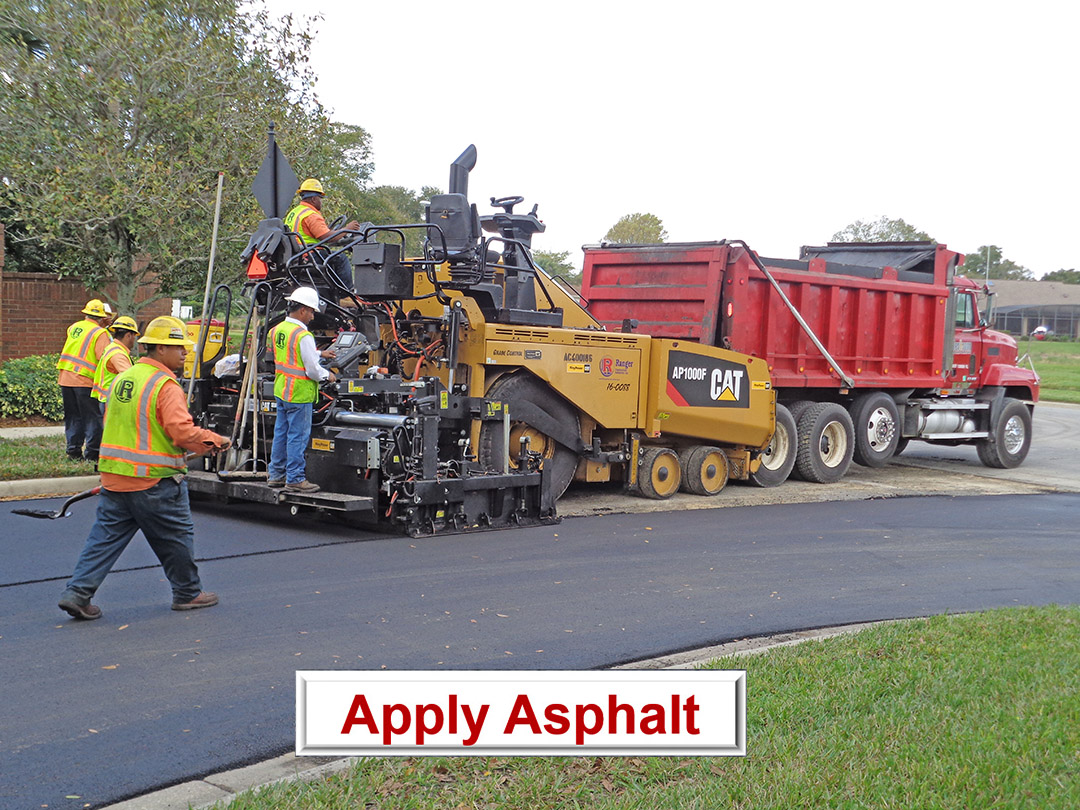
point(37, 308)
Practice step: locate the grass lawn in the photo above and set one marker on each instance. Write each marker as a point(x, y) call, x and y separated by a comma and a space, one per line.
point(38, 457)
point(974, 711)
point(1058, 365)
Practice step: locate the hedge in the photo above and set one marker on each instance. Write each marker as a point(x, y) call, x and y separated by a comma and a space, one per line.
point(28, 388)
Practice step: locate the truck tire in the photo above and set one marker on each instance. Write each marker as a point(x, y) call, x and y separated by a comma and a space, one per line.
point(901, 445)
point(826, 443)
point(877, 429)
point(659, 473)
point(1010, 437)
point(798, 408)
point(778, 459)
point(704, 470)
point(560, 461)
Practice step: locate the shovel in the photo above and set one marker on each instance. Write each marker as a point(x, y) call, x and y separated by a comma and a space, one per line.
point(48, 514)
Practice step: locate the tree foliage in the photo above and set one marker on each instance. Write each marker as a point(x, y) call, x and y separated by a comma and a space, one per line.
point(1065, 276)
point(637, 229)
point(116, 116)
point(1000, 267)
point(881, 229)
point(557, 263)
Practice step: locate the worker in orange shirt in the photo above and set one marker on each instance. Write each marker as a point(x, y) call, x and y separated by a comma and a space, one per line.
point(85, 343)
point(115, 358)
point(306, 220)
point(147, 429)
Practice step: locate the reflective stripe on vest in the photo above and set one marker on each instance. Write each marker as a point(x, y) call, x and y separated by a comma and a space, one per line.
point(78, 352)
point(291, 382)
point(134, 443)
point(103, 378)
point(294, 221)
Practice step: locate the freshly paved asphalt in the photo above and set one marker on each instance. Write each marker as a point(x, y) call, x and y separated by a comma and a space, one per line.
point(147, 697)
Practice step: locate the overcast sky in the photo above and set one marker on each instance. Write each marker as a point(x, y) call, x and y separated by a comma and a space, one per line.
point(774, 122)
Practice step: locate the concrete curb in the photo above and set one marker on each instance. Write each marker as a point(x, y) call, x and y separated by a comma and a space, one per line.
point(47, 487)
point(221, 789)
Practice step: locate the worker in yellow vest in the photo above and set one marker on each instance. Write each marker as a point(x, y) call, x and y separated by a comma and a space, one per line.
point(115, 358)
point(296, 386)
point(147, 430)
point(305, 219)
point(86, 341)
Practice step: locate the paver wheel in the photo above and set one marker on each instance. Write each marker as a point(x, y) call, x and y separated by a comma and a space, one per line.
point(704, 470)
point(659, 473)
point(561, 461)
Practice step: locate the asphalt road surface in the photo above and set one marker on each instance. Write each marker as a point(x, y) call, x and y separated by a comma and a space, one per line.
point(147, 697)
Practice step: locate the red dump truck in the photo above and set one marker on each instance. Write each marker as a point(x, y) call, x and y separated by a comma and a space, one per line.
point(869, 345)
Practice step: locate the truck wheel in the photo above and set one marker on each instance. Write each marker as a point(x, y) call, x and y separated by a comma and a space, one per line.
point(826, 442)
point(797, 408)
point(659, 474)
point(560, 461)
point(704, 470)
point(778, 458)
point(901, 445)
point(1010, 437)
point(877, 429)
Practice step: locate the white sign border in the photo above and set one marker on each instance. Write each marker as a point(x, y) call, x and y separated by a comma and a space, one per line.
point(442, 677)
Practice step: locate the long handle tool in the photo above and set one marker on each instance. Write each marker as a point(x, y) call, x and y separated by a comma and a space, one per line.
point(48, 514)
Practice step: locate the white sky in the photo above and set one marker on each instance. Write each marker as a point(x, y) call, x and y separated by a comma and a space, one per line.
point(774, 122)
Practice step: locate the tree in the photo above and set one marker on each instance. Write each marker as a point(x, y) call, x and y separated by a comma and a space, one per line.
point(881, 229)
point(557, 263)
point(637, 229)
point(1066, 276)
point(1000, 268)
point(113, 131)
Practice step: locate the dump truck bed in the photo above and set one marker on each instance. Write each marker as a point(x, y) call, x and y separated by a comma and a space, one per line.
point(882, 310)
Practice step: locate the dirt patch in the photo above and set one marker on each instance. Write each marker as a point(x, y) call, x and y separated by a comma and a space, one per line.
point(32, 421)
point(896, 480)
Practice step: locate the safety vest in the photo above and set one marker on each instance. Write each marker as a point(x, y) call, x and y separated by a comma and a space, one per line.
point(78, 354)
point(103, 378)
point(134, 443)
point(291, 382)
point(294, 221)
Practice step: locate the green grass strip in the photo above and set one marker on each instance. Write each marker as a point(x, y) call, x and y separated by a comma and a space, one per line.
point(975, 711)
point(38, 457)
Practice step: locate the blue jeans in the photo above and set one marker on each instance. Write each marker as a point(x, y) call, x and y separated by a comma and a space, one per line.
point(164, 515)
point(292, 429)
point(82, 421)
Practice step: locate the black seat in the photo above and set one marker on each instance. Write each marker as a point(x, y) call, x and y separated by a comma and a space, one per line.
point(460, 226)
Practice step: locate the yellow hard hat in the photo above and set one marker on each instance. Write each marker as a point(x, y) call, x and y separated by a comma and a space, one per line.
point(167, 331)
point(96, 308)
point(124, 322)
point(311, 185)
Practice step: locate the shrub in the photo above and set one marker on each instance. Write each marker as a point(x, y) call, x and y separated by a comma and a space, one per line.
point(28, 388)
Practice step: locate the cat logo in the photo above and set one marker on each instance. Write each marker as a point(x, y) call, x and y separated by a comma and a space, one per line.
point(726, 384)
point(124, 391)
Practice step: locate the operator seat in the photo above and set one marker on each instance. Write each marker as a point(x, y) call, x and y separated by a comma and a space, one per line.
point(460, 226)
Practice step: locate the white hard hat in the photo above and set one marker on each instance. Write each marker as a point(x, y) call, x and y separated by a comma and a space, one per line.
point(307, 296)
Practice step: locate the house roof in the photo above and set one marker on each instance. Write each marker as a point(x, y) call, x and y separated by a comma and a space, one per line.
point(1014, 294)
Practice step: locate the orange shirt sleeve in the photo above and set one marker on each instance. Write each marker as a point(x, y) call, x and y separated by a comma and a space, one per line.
point(101, 342)
point(118, 362)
